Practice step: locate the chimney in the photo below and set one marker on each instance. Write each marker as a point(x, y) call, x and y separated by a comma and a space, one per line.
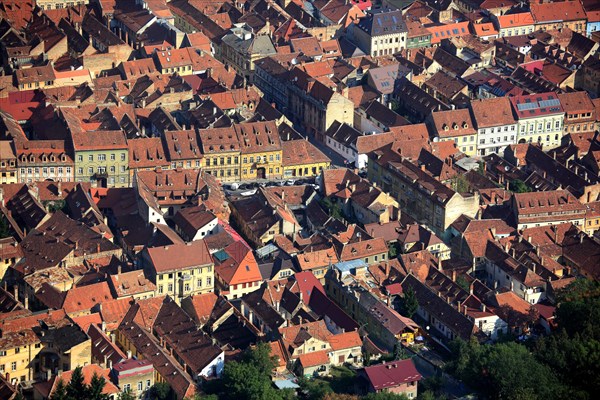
point(128, 354)
point(454, 276)
point(471, 286)
point(387, 269)
point(26, 302)
point(16, 289)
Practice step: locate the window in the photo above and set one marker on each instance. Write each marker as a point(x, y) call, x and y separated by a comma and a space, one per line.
point(148, 383)
point(13, 366)
point(126, 387)
point(113, 157)
point(160, 289)
point(186, 287)
point(91, 157)
point(123, 157)
point(90, 170)
point(1, 367)
point(80, 158)
point(208, 281)
point(17, 350)
point(199, 283)
point(101, 157)
point(140, 386)
point(170, 287)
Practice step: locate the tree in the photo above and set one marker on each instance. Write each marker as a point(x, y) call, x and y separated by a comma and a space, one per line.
point(503, 371)
point(77, 389)
point(393, 250)
point(97, 387)
point(315, 389)
point(518, 186)
point(385, 396)
point(573, 350)
point(250, 379)
point(126, 395)
point(60, 393)
point(160, 391)
point(260, 356)
point(463, 283)
point(409, 303)
point(4, 227)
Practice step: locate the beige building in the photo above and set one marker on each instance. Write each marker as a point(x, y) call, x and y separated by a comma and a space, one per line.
point(242, 47)
point(381, 32)
point(58, 4)
point(180, 270)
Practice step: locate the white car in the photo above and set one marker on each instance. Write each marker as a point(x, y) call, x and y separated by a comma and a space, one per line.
point(248, 193)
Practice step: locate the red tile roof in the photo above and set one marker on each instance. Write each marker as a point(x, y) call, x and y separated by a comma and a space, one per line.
point(392, 374)
point(179, 256)
point(557, 11)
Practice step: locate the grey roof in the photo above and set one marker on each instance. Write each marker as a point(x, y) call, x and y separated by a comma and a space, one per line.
point(242, 40)
point(383, 21)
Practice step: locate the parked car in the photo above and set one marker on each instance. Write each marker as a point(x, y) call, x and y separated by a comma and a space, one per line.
point(251, 192)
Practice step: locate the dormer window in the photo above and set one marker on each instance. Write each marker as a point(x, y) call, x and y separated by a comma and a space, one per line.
point(465, 125)
point(445, 127)
point(52, 158)
point(455, 126)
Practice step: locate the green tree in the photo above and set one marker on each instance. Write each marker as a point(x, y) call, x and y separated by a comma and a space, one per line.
point(573, 350)
point(260, 356)
point(126, 395)
point(60, 393)
point(314, 389)
point(409, 303)
point(96, 388)
point(504, 371)
point(332, 208)
point(77, 389)
point(463, 283)
point(518, 186)
point(461, 184)
point(385, 396)
point(250, 378)
point(242, 381)
point(160, 391)
point(4, 227)
point(393, 250)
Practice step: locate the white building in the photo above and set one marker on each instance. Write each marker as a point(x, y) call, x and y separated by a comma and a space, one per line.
point(496, 124)
point(381, 32)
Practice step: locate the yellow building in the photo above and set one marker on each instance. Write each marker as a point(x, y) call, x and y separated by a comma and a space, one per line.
point(457, 126)
point(301, 158)
point(8, 163)
point(10, 254)
point(221, 150)
point(260, 148)
point(17, 353)
point(180, 270)
point(175, 60)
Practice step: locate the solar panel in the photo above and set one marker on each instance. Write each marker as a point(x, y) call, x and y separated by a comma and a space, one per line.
point(526, 106)
point(549, 103)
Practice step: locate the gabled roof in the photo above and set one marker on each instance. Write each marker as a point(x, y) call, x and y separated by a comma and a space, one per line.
point(236, 264)
point(179, 256)
point(391, 374)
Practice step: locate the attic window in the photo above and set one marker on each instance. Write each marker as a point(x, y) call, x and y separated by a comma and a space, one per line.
point(465, 125)
point(445, 127)
point(455, 126)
